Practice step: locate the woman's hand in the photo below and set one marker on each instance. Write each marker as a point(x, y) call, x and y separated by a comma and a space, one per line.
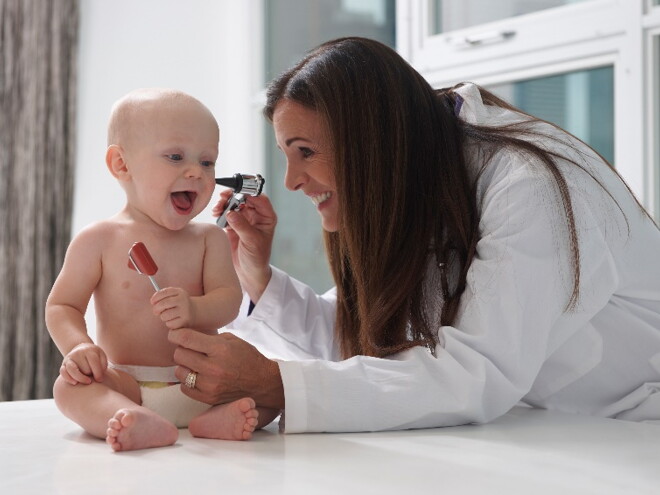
point(250, 232)
point(82, 363)
point(227, 367)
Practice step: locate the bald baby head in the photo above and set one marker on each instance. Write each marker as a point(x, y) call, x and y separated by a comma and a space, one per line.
point(133, 113)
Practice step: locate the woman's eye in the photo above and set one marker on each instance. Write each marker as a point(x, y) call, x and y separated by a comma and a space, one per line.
point(175, 157)
point(306, 152)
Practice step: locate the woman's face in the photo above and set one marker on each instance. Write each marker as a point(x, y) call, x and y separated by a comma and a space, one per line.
point(301, 135)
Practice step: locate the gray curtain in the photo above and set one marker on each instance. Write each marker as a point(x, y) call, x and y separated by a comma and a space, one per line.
point(38, 49)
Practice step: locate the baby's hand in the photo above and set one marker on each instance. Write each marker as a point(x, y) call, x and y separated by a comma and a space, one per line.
point(82, 363)
point(174, 307)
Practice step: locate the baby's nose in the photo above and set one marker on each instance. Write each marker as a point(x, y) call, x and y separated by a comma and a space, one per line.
point(193, 170)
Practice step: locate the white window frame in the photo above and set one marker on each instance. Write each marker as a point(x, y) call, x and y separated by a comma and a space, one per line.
point(574, 37)
point(530, 33)
point(651, 24)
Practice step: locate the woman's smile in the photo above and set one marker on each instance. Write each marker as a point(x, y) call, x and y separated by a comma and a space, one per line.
point(319, 199)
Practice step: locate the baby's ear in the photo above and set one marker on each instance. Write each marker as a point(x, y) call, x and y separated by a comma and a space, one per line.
point(114, 159)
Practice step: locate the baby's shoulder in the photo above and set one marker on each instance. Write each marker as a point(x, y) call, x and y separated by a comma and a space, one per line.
point(102, 231)
point(206, 231)
point(100, 236)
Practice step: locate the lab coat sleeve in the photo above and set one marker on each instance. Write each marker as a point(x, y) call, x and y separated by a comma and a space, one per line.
point(511, 317)
point(291, 319)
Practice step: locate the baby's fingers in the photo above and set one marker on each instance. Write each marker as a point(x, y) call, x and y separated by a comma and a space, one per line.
point(66, 376)
point(70, 368)
point(97, 365)
point(165, 297)
point(164, 309)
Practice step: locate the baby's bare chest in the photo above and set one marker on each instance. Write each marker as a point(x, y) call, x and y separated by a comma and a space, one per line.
point(123, 294)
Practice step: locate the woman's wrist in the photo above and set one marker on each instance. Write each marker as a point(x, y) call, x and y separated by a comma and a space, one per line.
point(256, 286)
point(273, 392)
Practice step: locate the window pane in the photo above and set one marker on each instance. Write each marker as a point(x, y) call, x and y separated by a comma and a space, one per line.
point(448, 15)
point(294, 27)
point(581, 102)
point(656, 123)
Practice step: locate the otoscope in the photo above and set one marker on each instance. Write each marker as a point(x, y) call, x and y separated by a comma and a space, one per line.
point(242, 184)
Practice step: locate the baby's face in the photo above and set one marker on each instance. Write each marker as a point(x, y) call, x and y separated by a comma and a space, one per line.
point(171, 161)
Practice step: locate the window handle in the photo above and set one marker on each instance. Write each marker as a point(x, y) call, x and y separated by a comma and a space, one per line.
point(478, 39)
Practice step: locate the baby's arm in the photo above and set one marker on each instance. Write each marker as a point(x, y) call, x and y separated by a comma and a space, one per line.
point(222, 291)
point(66, 306)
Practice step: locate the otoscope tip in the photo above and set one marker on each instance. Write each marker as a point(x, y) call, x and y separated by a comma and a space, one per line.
point(235, 182)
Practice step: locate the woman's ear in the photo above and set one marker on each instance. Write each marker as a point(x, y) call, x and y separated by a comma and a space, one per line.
point(114, 159)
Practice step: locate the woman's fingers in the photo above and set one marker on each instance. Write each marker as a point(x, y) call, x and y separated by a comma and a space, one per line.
point(192, 360)
point(262, 206)
point(190, 339)
point(219, 207)
point(227, 367)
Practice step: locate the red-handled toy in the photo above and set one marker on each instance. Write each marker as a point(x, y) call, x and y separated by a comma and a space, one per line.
point(141, 261)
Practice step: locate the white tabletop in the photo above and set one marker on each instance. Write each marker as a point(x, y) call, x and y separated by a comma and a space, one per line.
point(526, 451)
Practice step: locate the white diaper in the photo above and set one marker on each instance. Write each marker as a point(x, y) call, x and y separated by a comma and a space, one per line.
point(161, 392)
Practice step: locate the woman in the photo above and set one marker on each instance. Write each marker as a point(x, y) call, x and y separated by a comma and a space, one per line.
point(482, 257)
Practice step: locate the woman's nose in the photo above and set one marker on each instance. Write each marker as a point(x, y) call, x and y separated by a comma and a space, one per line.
point(294, 178)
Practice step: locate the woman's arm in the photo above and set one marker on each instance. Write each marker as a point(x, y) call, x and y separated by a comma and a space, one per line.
point(250, 231)
point(292, 320)
point(289, 319)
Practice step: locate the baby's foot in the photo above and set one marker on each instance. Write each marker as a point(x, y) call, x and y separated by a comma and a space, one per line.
point(140, 428)
point(232, 421)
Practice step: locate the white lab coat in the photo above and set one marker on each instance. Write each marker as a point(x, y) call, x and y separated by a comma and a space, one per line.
point(513, 340)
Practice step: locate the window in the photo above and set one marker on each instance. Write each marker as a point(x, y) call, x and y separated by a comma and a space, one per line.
point(652, 95)
point(588, 65)
point(513, 36)
point(582, 102)
point(654, 127)
point(292, 28)
point(449, 15)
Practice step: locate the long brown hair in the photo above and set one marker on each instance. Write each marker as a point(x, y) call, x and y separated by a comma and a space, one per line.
point(404, 188)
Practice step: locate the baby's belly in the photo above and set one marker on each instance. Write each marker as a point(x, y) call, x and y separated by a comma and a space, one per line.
point(146, 346)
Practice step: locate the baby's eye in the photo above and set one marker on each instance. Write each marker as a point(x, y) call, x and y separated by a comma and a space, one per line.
point(175, 157)
point(208, 163)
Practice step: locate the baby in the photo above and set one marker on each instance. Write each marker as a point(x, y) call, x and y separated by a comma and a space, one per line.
point(162, 148)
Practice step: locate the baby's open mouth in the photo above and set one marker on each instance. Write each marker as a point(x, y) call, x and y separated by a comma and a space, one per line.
point(183, 201)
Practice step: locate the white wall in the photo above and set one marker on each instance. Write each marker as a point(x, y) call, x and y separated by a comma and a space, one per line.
point(208, 48)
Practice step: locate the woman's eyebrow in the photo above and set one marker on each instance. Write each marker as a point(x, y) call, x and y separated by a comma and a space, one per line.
point(291, 140)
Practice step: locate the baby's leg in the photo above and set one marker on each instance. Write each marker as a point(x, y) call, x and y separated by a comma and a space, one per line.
point(232, 421)
point(95, 405)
